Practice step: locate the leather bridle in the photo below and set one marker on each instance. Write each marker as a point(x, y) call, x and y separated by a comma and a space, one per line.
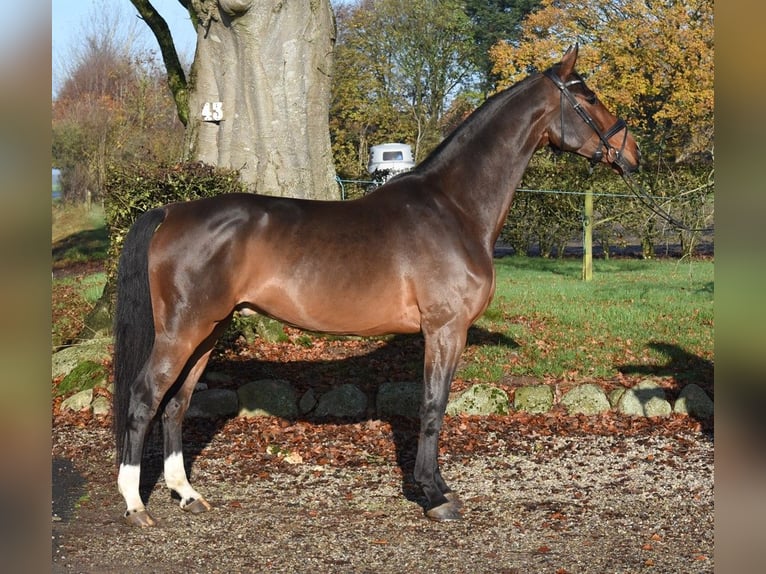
point(614, 155)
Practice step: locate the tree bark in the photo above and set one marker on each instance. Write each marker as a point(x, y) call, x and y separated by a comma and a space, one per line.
point(260, 94)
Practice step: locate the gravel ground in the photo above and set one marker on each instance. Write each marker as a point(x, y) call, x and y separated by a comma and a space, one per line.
point(559, 504)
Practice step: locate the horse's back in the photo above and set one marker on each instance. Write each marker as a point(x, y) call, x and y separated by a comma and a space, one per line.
point(327, 266)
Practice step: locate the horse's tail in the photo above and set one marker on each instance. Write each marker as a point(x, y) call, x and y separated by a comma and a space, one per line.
point(133, 322)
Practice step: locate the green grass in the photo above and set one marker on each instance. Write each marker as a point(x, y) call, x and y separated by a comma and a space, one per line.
point(78, 235)
point(635, 318)
point(89, 286)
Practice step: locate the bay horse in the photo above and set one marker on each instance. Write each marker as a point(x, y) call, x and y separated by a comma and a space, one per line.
point(415, 255)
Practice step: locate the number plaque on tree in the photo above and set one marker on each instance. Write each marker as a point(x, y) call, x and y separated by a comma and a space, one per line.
point(212, 111)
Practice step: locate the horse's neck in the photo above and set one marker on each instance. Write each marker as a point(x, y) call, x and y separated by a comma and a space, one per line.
point(481, 170)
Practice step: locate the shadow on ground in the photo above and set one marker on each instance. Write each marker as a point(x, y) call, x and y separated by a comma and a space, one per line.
point(400, 359)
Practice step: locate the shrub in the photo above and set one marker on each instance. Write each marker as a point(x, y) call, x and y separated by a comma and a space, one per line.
point(132, 190)
point(129, 191)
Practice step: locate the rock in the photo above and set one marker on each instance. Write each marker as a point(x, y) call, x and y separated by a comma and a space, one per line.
point(308, 402)
point(647, 398)
point(78, 401)
point(480, 399)
point(213, 403)
point(85, 375)
point(399, 399)
point(695, 402)
point(586, 399)
point(533, 399)
point(65, 360)
point(657, 407)
point(344, 401)
point(615, 395)
point(216, 377)
point(267, 398)
point(101, 406)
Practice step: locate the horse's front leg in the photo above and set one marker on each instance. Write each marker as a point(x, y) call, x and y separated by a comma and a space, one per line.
point(442, 352)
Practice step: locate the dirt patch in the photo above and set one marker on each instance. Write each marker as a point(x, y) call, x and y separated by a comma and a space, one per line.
point(538, 499)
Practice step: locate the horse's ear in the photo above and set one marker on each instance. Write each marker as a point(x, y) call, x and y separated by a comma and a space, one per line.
point(568, 61)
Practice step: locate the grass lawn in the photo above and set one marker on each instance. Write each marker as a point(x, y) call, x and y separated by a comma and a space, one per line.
point(79, 249)
point(636, 318)
point(78, 235)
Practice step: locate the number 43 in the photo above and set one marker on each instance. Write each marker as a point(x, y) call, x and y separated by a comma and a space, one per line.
point(212, 111)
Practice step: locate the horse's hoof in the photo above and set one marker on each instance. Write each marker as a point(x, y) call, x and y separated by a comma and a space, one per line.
point(444, 512)
point(454, 499)
point(139, 518)
point(197, 506)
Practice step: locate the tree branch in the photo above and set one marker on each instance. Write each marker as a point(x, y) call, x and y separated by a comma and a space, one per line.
point(176, 76)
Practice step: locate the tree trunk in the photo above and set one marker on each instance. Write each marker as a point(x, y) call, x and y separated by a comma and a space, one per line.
point(260, 93)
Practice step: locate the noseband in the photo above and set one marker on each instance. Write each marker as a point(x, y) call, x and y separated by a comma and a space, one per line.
point(598, 155)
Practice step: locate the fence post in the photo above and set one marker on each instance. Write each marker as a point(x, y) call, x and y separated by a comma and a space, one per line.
point(587, 231)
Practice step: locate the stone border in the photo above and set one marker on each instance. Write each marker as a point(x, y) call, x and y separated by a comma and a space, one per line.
point(269, 397)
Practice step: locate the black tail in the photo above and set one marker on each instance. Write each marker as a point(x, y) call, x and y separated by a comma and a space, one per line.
point(133, 322)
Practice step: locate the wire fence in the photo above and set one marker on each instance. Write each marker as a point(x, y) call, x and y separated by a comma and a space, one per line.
point(546, 231)
point(371, 184)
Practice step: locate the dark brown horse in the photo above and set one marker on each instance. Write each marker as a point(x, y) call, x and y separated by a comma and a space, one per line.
point(415, 255)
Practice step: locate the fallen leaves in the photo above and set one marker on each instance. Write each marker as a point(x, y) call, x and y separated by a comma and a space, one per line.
point(328, 361)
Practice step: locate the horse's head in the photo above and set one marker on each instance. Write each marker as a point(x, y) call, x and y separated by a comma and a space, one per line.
point(583, 125)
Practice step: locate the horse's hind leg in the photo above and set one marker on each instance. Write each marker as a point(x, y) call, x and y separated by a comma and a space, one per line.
point(172, 421)
point(146, 394)
point(141, 412)
point(165, 365)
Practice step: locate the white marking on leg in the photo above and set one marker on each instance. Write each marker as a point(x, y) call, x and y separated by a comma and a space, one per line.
point(128, 482)
point(175, 479)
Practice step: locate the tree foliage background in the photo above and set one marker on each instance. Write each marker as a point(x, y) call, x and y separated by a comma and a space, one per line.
point(397, 63)
point(113, 107)
point(412, 71)
point(651, 62)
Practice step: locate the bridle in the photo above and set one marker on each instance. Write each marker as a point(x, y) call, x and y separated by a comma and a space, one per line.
point(613, 154)
point(611, 151)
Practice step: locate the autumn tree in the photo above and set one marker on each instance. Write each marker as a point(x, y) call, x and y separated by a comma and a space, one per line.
point(112, 106)
point(652, 63)
point(363, 107)
point(493, 21)
point(258, 94)
point(398, 64)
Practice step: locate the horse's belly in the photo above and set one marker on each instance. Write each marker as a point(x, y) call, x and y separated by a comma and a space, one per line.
point(363, 311)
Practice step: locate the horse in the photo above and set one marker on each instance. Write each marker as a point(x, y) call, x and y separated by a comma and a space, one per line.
point(415, 255)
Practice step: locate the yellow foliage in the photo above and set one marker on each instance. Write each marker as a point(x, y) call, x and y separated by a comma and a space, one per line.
point(650, 61)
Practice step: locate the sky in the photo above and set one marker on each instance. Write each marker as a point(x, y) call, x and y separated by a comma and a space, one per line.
point(70, 18)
